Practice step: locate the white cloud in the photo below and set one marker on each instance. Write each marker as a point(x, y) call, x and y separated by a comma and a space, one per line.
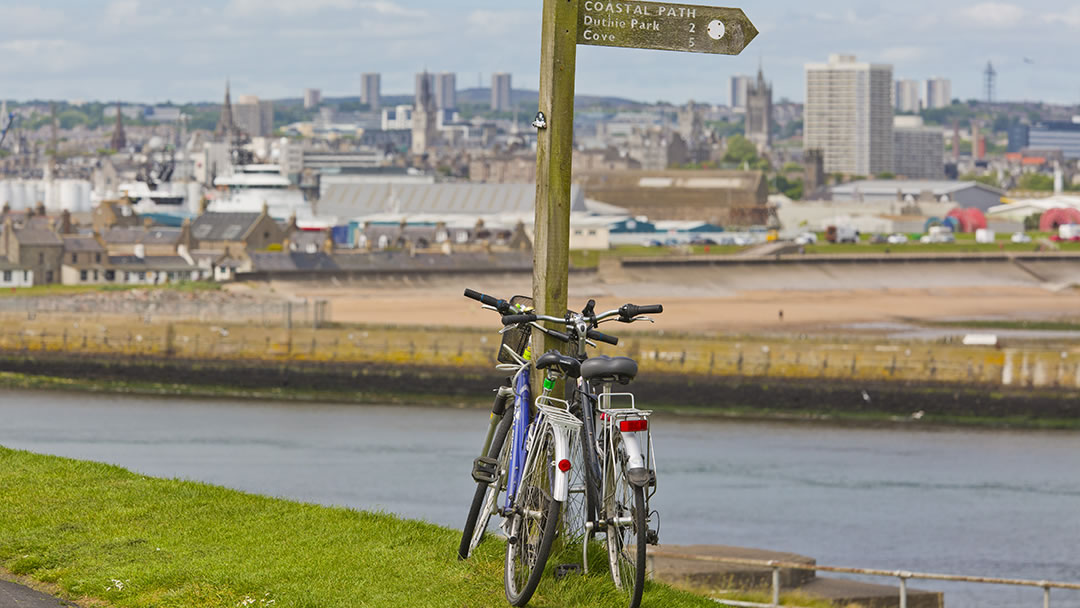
point(251, 8)
point(494, 21)
point(1070, 17)
point(25, 18)
point(992, 14)
point(44, 55)
point(391, 9)
point(900, 54)
point(134, 14)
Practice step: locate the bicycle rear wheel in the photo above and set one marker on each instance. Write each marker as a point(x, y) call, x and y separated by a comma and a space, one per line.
point(532, 525)
point(624, 509)
point(486, 498)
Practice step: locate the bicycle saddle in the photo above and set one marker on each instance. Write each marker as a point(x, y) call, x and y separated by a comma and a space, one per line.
point(609, 369)
point(564, 363)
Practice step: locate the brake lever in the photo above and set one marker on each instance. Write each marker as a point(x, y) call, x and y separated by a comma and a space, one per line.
point(642, 318)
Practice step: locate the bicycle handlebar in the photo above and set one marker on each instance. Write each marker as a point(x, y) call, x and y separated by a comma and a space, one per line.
point(601, 337)
point(629, 311)
point(501, 305)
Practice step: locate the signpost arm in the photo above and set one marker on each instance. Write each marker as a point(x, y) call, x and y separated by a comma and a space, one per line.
point(554, 151)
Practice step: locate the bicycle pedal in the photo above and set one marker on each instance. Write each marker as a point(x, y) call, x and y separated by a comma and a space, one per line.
point(563, 570)
point(485, 470)
point(652, 537)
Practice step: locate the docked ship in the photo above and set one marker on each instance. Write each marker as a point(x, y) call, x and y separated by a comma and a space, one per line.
point(251, 187)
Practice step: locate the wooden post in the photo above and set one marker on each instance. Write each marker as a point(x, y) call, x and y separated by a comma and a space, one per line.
point(554, 152)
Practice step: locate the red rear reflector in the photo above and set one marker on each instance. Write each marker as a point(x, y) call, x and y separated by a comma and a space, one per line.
point(564, 465)
point(630, 426)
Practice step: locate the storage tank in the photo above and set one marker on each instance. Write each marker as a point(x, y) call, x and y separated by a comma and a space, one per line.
point(51, 195)
point(194, 197)
point(86, 190)
point(68, 199)
point(18, 195)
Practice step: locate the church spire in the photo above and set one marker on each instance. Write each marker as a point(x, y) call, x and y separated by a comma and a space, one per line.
point(225, 127)
point(119, 141)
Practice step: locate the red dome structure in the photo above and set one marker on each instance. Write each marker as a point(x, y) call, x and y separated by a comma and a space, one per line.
point(1058, 216)
point(969, 219)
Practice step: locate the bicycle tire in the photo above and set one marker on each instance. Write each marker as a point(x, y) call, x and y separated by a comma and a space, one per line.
point(486, 497)
point(591, 462)
point(623, 499)
point(530, 543)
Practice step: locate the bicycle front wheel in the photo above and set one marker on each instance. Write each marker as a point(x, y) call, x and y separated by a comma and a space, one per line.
point(624, 510)
point(532, 524)
point(485, 499)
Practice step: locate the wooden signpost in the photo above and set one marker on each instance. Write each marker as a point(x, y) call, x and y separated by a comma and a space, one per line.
point(623, 23)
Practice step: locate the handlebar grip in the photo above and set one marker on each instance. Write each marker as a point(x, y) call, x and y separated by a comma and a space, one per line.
point(558, 335)
point(501, 305)
point(516, 319)
point(629, 311)
point(482, 298)
point(602, 337)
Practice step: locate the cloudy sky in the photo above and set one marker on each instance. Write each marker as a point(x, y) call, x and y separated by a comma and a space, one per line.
point(157, 50)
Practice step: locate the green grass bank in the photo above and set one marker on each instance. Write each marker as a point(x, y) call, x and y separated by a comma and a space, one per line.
point(101, 532)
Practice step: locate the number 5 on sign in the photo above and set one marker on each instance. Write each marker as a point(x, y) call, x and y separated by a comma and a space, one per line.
point(668, 27)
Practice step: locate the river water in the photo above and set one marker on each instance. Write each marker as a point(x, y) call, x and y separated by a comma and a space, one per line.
point(990, 503)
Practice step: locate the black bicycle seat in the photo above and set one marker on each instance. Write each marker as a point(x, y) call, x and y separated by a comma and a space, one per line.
point(564, 363)
point(609, 369)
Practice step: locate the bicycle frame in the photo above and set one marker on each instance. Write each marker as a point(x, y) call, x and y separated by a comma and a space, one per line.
point(519, 434)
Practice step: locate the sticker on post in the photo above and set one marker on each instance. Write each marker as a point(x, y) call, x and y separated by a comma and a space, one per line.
point(716, 29)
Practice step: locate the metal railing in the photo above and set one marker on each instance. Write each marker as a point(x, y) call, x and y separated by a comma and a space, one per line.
point(902, 575)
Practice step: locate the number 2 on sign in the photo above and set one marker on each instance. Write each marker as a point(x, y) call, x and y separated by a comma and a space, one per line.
point(693, 28)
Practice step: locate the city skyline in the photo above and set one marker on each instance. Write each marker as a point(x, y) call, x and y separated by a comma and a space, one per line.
point(60, 49)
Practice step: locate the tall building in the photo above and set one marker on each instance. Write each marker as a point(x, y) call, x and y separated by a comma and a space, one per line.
point(1056, 135)
point(737, 92)
point(937, 93)
point(918, 150)
point(423, 79)
point(906, 96)
point(500, 92)
point(312, 98)
point(423, 116)
point(254, 116)
point(369, 90)
point(759, 116)
point(1019, 137)
point(226, 126)
point(849, 115)
point(446, 91)
point(119, 140)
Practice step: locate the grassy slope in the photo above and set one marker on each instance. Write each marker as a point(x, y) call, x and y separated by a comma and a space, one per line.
point(84, 526)
point(56, 289)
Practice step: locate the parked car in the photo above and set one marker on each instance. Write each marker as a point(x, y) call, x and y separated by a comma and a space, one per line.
point(945, 237)
point(1020, 237)
point(879, 239)
point(897, 239)
point(698, 240)
point(654, 243)
point(806, 238)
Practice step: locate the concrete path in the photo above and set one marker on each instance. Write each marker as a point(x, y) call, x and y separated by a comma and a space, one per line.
point(13, 595)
